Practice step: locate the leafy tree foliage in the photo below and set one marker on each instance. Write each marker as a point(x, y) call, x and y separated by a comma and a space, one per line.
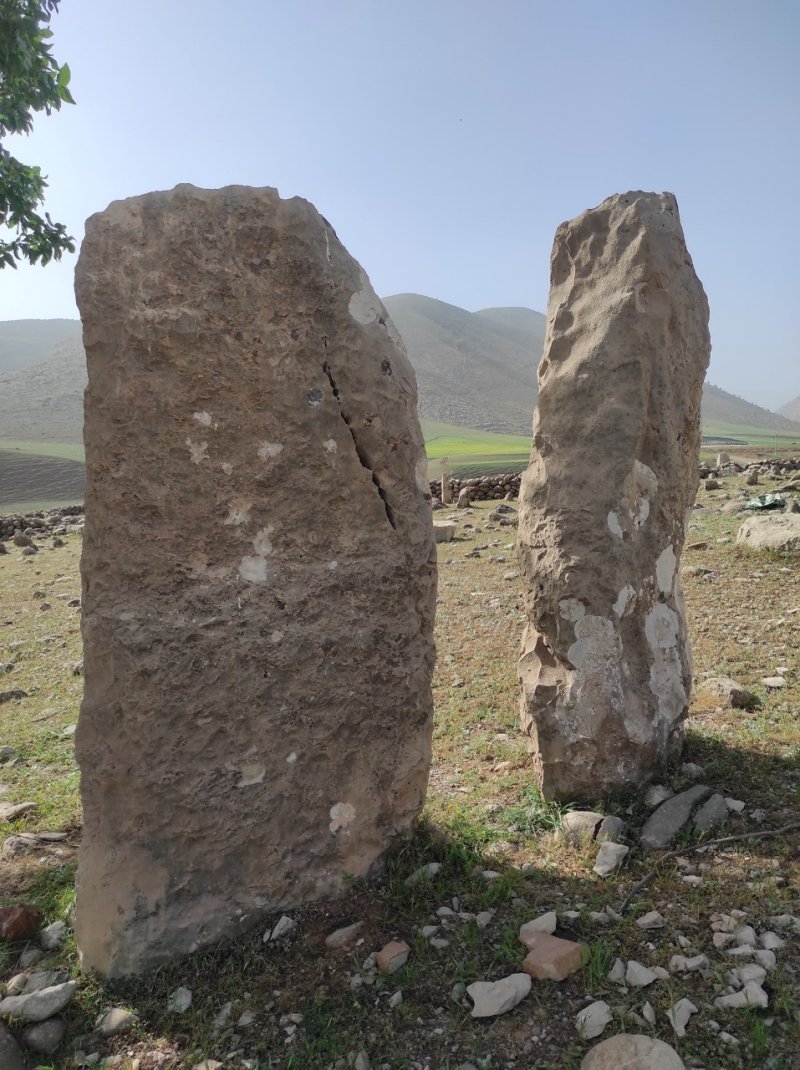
point(30, 80)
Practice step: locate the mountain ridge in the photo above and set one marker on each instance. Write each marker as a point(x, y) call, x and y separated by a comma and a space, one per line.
point(474, 370)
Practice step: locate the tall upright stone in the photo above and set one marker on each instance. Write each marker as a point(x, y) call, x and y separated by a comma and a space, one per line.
point(605, 670)
point(259, 573)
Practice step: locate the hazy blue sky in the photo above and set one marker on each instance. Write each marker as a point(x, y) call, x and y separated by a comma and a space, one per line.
point(446, 139)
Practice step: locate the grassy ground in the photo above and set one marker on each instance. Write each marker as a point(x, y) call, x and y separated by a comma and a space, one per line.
point(483, 812)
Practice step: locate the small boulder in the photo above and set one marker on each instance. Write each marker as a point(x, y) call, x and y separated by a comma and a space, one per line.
point(341, 938)
point(546, 923)
point(491, 998)
point(36, 1006)
point(780, 533)
point(665, 823)
point(11, 1057)
point(712, 814)
point(19, 922)
point(592, 1020)
point(115, 1021)
point(632, 1051)
point(728, 692)
point(444, 530)
point(44, 1037)
point(609, 858)
point(393, 956)
point(551, 958)
point(581, 825)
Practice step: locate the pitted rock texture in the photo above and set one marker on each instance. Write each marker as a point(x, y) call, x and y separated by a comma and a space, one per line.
point(605, 669)
point(257, 715)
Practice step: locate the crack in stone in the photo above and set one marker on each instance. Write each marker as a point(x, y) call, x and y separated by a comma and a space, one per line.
point(360, 453)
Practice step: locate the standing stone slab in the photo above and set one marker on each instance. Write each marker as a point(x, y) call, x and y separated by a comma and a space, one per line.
point(258, 572)
point(605, 669)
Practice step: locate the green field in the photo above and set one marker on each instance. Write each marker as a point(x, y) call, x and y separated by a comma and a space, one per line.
point(466, 452)
point(751, 436)
point(39, 475)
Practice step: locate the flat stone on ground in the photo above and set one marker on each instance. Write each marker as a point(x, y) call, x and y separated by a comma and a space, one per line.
point(665, 823)
point(498, 997)
point(550, 958)
point(712, 814)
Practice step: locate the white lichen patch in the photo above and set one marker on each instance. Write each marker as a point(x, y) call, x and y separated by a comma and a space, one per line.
point(662, 630)
point(639, 487)
point(198, 451)
point(261, 543)
point(203, 418)
point(342, 815)
point(571, 609)
point(330, 445)
point(614, 525)
point(238, 514)
point(665, 570)
point(251, 773)
point(624, 599)
point(253, 568)
point(269, 449)
point(365, 307)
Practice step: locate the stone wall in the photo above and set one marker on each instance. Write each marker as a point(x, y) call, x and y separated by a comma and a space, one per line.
point(482, 488)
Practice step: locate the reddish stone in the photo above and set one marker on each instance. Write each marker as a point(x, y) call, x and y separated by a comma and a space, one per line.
point(20, 923)
point(393, 956)
point(550, 958)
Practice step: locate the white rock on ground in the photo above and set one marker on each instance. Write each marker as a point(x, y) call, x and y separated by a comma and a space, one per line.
point(741, 975)
point(498, 997)
point(546, 923)
point(679, 1014)
point(36, 1006)
point(424, 873)
point(752, 995)
point(180, 1000)
point(765, 958)
point(343, 937)
point(639, 976)
point(609, 858)
point(592, 1020)
point(284, 926)
point(771, 941)
point(682, 964)
point(115, 1021)
point(617, 972)
point(632, 1051)
point(651, 920)
point(51, 937)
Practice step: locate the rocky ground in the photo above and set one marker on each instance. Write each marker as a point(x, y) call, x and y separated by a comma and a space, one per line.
point(684, 940)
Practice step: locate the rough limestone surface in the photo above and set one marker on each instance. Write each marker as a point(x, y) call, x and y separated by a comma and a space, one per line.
point(632, 1051)
point(778, 533)
point(257, 714)
point(605, 669)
